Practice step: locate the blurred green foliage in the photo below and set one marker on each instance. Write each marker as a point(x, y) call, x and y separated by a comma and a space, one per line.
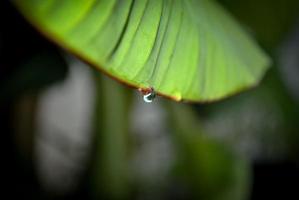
point(268, 20)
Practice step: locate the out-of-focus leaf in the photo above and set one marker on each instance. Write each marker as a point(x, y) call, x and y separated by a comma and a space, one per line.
point(267, 119)
point(34, 74)
point(210, 168)
point(190, 50)
point(269, 20)
point(111, 162)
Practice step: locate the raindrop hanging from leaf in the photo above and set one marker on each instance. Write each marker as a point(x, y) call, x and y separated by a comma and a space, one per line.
point(148, 94)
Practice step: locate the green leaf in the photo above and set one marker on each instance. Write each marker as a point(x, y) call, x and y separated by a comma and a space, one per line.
point(184, 49)
point(269, 27)
point(111, 171)
point(211, 169)
point(29, 76)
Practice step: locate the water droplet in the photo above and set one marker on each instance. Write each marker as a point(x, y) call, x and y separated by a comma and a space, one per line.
point(148, 98)
point(148, 94)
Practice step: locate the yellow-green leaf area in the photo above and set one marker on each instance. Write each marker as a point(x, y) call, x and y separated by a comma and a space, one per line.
point(184, 49)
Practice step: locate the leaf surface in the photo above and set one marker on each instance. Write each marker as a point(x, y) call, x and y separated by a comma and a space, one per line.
point(185, 49)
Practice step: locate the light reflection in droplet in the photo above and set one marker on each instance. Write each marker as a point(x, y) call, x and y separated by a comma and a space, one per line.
point(148, 94)
point(148, 98)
